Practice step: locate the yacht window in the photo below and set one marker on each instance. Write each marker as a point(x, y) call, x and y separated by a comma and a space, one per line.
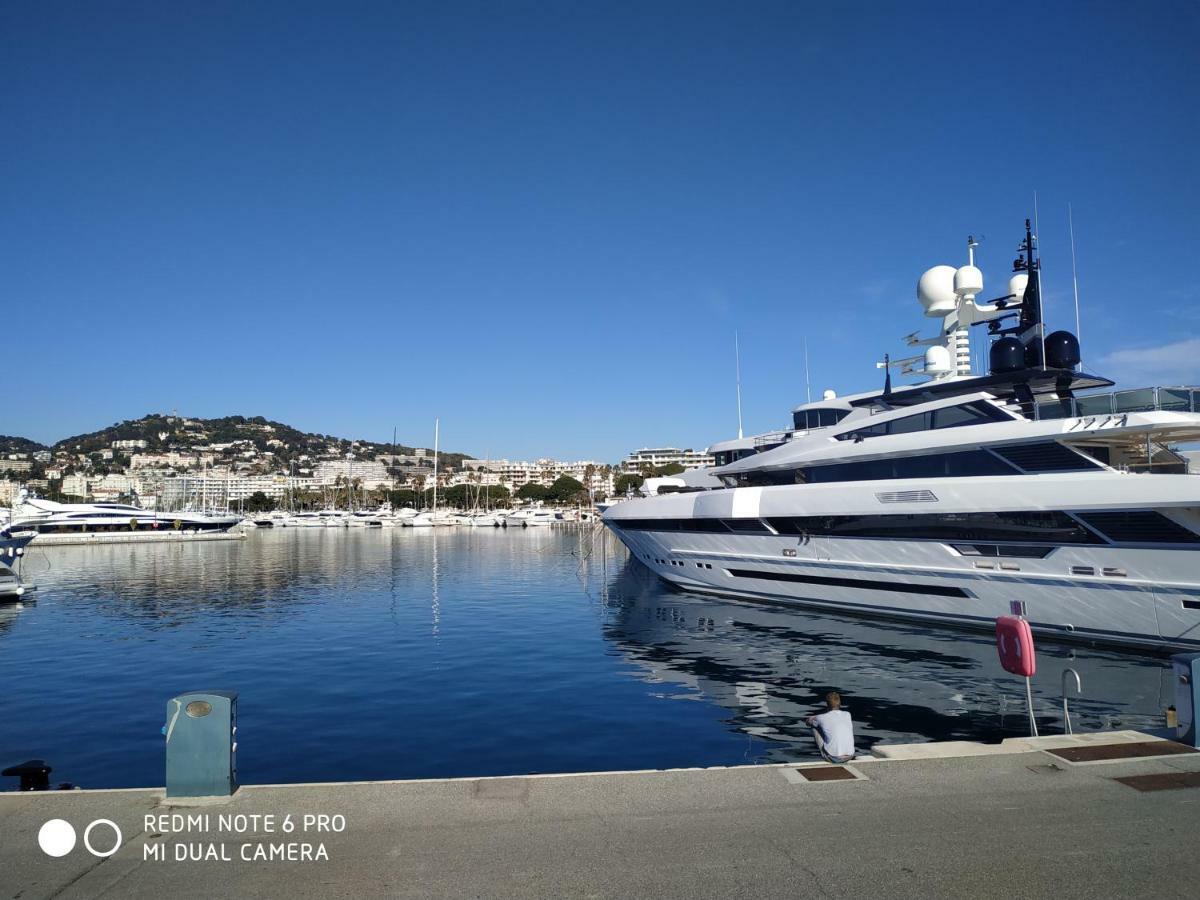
point(746, 526)
point(970, 414)
point(771, 479)
point(1036, 526)
point(808, 419)
point(948, 417)
point(1045, 456)
point(1140, 527)
point(1016, 551)
point(964, 464)
point(909, 424)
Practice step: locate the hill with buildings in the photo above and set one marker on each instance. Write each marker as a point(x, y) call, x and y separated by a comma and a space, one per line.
point(156, 432)
point(10, 444)
point(175, 462)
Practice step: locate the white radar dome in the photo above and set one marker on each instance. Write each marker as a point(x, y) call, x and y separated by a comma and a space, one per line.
point(937, 361)
point(935, 290)
point(829, 395)
point(1017, 284)
point(968, 281)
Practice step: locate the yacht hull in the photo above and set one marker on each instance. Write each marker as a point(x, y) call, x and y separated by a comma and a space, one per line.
point(1135, 596)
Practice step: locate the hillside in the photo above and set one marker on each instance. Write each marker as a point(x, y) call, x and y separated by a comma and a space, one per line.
point(163, 432)
point(10, 444)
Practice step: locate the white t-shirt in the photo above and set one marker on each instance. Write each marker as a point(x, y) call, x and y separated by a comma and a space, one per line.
point(837, 732)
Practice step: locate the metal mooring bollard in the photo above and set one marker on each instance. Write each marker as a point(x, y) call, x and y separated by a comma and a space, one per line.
point(201, 734)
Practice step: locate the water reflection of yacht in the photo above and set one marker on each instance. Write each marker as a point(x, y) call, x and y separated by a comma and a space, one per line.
point(770, 666)
point(945, 500)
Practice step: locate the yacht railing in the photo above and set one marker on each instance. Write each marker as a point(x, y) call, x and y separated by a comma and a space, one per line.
point(773, 439)
point(1152, 399)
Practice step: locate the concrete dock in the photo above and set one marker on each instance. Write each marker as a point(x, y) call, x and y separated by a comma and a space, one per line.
point(963, 820)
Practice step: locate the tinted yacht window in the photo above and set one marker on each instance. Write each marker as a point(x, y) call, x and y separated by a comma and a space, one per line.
point(948, 417)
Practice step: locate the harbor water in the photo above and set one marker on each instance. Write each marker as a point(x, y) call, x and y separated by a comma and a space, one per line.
point(416, 653)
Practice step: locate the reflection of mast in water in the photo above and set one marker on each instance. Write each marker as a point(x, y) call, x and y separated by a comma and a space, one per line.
point(436, 604)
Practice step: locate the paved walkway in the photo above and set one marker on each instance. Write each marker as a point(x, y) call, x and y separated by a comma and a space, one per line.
point(1014, 824)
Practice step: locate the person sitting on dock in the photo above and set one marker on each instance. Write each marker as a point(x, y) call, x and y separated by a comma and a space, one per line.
point(834, 731)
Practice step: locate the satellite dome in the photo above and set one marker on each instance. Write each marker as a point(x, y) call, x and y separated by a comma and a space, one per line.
point(935, 290)
point(937, 361)
point(968, 281)
point(1017, 285)
point(1006, 355)
point(829, 395)
point(1062, 350)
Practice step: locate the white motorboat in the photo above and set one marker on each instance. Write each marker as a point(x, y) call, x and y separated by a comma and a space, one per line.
point(484, 520)
point(946, 500)
point(530, 518)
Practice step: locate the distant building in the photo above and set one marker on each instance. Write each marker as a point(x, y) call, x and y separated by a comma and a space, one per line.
point(16, 465)
point(370, 473)
point(130, 445)
point(75, 486)
point(664, 456)
point(99, 488)
point(516, 474)
point(219, 491)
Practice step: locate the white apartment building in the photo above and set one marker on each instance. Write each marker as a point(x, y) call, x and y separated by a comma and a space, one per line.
point(665, 456)
point(130, 445)
point(98, 488)
point(516, 474)
point(370, 473)
point(220, 491)
point(170, 460)
point(75, 486)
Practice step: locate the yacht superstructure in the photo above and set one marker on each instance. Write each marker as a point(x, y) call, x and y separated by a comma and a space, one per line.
point(946, 500)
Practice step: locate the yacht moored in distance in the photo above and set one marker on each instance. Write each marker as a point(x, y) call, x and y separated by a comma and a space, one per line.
point(528, 518)
point(945, 500)
point(73, 523)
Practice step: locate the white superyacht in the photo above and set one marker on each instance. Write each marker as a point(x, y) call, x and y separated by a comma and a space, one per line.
point(943, 501)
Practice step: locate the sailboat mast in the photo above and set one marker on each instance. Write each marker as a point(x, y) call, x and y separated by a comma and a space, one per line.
point(436, 424)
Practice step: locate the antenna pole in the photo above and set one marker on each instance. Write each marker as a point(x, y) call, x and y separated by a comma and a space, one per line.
point(807, 383)
point(737, 364)
point(1074, 275)
point(1038, 275)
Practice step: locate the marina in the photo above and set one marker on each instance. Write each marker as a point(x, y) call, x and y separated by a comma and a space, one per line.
point(671, 450)
point(379, 653)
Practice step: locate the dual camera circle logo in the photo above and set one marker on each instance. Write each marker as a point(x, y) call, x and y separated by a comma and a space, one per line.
point(57, 838)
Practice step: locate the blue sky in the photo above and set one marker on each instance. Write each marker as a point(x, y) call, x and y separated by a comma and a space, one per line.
point(543, 222)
